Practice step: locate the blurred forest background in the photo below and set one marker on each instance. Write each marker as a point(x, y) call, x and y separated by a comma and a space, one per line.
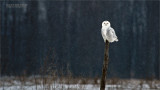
point(66, 35)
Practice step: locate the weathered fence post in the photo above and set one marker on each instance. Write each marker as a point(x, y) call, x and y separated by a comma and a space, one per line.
point(105, 66)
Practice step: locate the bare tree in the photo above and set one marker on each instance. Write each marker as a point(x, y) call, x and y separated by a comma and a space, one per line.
point(105, 66)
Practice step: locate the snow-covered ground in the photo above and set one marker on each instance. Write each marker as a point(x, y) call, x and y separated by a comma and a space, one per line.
point(58, 87)
point(76, 87)
point(77, 84)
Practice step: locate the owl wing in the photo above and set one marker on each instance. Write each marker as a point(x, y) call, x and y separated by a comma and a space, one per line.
point(113, 32)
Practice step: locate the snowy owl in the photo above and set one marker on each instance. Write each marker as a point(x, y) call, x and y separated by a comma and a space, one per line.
point(108, 32)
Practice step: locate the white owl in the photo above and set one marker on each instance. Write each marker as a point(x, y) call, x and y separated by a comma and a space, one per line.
point(108, 32)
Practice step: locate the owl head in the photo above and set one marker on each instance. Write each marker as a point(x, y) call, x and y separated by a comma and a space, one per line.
point(106, 24)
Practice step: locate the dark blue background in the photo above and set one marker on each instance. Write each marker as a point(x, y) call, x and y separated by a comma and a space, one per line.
point(61, 35)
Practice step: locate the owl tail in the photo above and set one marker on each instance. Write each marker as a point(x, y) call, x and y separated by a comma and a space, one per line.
point(116, 40)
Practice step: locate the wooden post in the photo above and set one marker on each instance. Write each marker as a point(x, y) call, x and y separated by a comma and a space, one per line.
point(105, 66)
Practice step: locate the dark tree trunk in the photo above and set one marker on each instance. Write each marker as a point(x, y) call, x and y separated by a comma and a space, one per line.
point(105, 66)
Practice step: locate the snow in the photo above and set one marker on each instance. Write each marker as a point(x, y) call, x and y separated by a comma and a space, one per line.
point(73, 87)
point(62, 84)
point(58, 87)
